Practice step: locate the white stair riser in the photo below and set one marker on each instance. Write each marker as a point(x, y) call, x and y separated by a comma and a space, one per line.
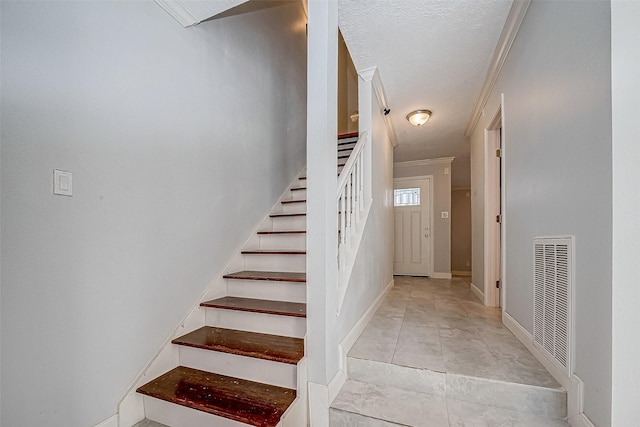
point(174, 415)
point(275, 262)
point(232, 365)
point(298, 194)
point(257, 322)
point(289, 223)
point(283, 241)
point(269, 290)
point(294, 208)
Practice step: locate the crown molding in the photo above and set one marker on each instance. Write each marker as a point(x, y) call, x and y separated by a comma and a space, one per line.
point(507, 37)
point(371, 75)
point(424, 162)
point(179, 12)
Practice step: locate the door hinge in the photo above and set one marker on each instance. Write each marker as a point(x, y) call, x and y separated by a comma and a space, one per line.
point(498, 284)
point(499, 219)
point(498, 153)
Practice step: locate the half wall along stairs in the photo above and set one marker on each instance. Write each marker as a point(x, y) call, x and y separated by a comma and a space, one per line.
point(243, 366)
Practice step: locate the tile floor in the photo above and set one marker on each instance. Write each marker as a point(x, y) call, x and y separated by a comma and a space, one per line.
point(441, 326)
point(433, 355)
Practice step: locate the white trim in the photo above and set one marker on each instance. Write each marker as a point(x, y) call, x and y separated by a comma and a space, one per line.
point(575, 404)
point(438, 275)
point(335, 385)
point(352, 336)
point(318, 404)
point(477, 292)
point(465, 273)
point(430, 180)
point(503, 203)
point(112, 421)
point(424, 162)
point(580, 420)
point(492, 201)
point(507, 37)
point(178, 11)
point(527, 340)
point(371, 75)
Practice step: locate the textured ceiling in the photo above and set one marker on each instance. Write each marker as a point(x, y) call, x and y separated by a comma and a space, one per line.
point(430, 54)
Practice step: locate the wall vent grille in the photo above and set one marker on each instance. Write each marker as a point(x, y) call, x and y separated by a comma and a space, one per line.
point(552, 299)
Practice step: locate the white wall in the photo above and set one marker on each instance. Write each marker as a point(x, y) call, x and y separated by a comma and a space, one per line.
point(625, 68)
point(557, 122)
point(441, 203)
point(169, 179)
point(373, 268)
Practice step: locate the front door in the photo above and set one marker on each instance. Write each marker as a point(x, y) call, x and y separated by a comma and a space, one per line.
point(411, 212)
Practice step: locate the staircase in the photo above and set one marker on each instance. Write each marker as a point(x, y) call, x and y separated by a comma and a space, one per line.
point(243, 366)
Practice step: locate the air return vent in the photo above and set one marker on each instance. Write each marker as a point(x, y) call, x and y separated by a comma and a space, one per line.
point(552, 299)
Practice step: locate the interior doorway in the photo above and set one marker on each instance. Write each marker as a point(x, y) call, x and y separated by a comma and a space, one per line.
point(494, 212)
point(413, 247)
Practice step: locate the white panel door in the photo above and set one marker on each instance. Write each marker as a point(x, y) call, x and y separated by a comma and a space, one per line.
point(412, 249)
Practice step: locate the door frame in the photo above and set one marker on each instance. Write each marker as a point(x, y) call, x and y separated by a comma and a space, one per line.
point(493, 200)
point(429, 180)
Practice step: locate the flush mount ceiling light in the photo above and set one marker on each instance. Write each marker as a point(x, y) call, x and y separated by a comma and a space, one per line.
point(418, 117)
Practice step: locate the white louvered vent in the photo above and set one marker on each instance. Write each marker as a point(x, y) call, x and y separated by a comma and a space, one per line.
point(552, 298)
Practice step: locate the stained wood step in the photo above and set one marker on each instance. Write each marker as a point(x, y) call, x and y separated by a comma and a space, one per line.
point(250, 344)
point(346, 156)
point(288, 202)
point(275, 276)
point(273, 252)
point(345, 149)
point(347, 135)
point(283, 232)
point(281, 308)
point(241, 400)
point(299, 189)
point(286, 214)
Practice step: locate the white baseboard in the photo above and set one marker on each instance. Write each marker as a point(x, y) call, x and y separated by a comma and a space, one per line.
point(441, 275)
point(318, 405)
point(575, 402)
point(112, 421)
point(580, 420)
point(527, 340)
point(477, 292)
point(464, 273)
point(351, 336)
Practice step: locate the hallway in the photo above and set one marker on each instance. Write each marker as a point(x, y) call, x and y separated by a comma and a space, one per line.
point(434, 355)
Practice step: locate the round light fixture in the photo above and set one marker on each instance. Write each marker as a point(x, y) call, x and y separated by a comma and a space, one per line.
point(418, 117)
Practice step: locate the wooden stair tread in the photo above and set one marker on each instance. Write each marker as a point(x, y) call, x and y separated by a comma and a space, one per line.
point(345, 149)
point(273, 252)
point(281, 308)
point(250, 344)
point(287, 202)
point(241, 400)
point(286, 214)
point(276, 276)
point(346, 156)
point(283, 232)
point(348, 135)
point(299, 189)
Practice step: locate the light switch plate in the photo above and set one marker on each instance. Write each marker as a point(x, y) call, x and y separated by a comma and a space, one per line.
point(62, 183)
point(445, 215)
point(446, 171)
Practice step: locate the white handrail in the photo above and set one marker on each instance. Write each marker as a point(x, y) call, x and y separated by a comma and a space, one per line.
point(351, 160)
point(351, 205)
